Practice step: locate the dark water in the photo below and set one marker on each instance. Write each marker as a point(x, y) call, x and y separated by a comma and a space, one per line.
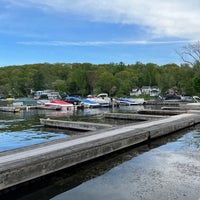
point(166, 169)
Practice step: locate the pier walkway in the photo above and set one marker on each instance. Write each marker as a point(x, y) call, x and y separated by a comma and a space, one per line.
point(28, 163)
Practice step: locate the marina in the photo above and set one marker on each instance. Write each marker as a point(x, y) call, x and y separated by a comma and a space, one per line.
point(105, 106)
point(88, 140)
point(31, 162)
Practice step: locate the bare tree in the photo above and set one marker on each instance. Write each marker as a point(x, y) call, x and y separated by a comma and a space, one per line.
point(191, 53)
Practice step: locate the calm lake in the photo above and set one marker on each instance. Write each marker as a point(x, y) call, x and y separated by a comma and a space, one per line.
point(24, 128)
point(167, 168)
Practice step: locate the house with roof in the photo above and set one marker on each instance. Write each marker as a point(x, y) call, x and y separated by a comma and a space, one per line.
point(135, 92)
point(151, 90)
point(155, 91)
point(146, 90)
point(49, 94)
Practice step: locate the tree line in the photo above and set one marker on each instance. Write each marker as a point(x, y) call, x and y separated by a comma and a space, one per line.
point(116, 79)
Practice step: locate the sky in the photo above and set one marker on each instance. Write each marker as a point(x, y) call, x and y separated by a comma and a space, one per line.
point(96, 31)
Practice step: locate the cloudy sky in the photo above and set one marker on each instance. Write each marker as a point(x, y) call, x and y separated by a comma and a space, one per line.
point(96, 31)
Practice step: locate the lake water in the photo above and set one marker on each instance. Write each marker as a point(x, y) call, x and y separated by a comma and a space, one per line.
point(166, 169)
point(24, 128)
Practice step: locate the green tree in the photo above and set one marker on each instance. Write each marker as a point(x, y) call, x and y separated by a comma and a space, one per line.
point(186, 80)
point(78, 80)
point(125, 82)
point(196, 82)
point(59, 86)
point(106, 82)
point(39, 80)
point(196, 79)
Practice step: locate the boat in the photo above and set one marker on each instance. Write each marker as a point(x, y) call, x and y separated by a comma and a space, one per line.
point(42, 101)
point(196, 102)
point(193, 104)
point(10, 99)
point(73, 100)
point(65, 106)
point(138, 101)
point(24, 102)
point(130, 101)
point(102, 99)
point(172, 97)
point(196, 99)
point(87, 103)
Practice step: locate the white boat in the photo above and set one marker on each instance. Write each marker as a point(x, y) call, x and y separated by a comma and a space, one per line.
point(196, 103)
point(65, 106)
point(42, 101)
point(125, 102)
point(130, 101)
point(138, 101)
point(87, 103)
point(102, 99)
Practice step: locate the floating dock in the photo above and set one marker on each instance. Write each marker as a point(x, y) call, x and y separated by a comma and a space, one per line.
point(134, 117)
point(9, 109)
point(84, 126)
point(161, 112)
point(24, 164)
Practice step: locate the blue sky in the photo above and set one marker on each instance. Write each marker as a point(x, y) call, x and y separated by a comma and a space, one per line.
point(96, 31)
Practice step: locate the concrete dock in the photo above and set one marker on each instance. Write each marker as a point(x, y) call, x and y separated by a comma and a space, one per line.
point(88, 126)
point(161, 112)
point(84, 126)
point(134, 117)
point(9, 109)
point(28, 163)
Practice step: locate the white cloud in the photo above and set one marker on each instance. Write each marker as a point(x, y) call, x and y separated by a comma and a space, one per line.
point(102, 43)
point(172, 18)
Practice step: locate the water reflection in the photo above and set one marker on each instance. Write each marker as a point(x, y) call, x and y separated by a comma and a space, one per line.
point(191, 141)
point(161, 173)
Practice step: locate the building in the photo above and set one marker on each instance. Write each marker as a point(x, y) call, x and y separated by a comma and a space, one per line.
point(155, 91)
point(146, 90)
point(135, 92)
point(24, 102)
point(48, 94)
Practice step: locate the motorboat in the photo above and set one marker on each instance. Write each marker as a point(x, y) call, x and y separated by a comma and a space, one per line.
point(172, 97)
point(138, 101)
point(65, 106)
point(125, 102)
point(102, 99)
point(87, 103)
point(130, 101)
point(196, 102)
point(73, 100)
